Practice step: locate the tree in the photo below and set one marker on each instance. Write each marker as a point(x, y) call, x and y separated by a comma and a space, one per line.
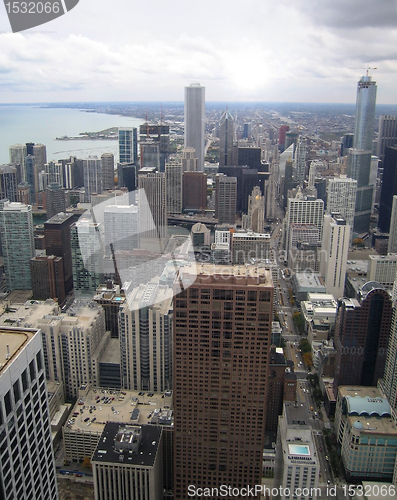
point(87, 463)
point(308, 359)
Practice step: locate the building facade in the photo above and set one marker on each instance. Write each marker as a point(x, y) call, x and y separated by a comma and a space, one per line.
point(225, 199)
point(195, 121)
point(17, 239)
point(362, 333)
point(145, 331)
point(27, 463)
point(222, 334)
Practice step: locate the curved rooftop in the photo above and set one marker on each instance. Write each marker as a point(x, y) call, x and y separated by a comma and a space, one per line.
point(360, 406)
point(369, 286)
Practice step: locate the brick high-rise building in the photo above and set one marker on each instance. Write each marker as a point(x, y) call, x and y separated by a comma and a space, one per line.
point(47, 278)
point(222, 335)
point(57, 242)
point(194, 191)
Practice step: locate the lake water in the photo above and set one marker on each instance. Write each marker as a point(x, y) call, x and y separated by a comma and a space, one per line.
point(22, 124)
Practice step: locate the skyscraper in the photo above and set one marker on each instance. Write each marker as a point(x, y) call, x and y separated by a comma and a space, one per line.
point(189, 160)
point(55, 199)
point(362, 332)
point(121, 226)
point(17, 157)
point(146, 324)
point(173, 175)
point(159, 134)
point(335, 246)
point(392, 245)
point(128, 145)
point(341, 197)
point(152, 205)
point(226, 137)
point(194, 190)
point(389, 188)
point(387, 135)
point(222, 334)
point(389, 381)
point(92, 177)
point(40, 159)
point(107, 171)
point(359, 157)
point(58, 243)
point(304, 210)
point(27, 467)
point(195, 121)
point(225, 199)
point(87, 255)
point(8, 182)
point(16, 226)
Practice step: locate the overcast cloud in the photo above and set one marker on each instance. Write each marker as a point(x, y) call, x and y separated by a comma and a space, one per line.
point(254, 50)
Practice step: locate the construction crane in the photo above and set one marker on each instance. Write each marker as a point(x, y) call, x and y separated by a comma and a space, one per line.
point(117, 279)
point(367, 68)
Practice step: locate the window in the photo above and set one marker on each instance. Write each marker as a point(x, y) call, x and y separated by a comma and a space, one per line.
point(17, 394)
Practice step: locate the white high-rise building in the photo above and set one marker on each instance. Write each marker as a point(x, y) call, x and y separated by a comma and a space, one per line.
point(195, 121)
point(189, 160)
point(27, 467)
point(73, 342)
point(145, 326)
point(334, 250)
point(17, 157)
point(121, 227)
point(173, 175)
point(341, 197)
point(297, 464)
point(92, 177)
point(304, 210)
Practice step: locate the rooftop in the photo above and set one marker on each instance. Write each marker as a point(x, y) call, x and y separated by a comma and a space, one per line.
point(98, 406)
point(59, 218)
point(116, 434)
point(11, 342)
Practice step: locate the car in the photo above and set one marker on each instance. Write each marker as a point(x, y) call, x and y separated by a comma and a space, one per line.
point(326, 457)
point(328, 481)
point(86, 419)
point(321, 449)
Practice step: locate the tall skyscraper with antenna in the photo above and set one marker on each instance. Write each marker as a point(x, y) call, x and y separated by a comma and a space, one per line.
point(195, 121)
point(359, 157)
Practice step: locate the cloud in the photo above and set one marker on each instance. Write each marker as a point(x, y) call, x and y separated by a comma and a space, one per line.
point(353, 14)
point(265, 51)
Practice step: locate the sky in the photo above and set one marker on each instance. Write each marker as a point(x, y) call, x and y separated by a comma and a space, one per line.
point(255, 50)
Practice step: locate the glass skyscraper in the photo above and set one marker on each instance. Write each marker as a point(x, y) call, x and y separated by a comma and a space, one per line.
point(359, 157)
point(128, 145)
